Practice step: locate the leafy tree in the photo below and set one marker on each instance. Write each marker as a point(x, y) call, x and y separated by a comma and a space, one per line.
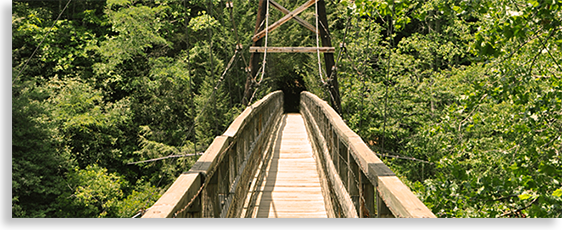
point(38, 156)
point(462, 86)
point(138, 201)
point(92, 192)
point(93, 129)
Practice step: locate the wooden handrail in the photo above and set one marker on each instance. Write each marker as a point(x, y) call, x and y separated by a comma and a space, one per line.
point(216, 185)
point(361, 177)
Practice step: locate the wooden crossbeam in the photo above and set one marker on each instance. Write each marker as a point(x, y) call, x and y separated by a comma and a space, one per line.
point(284, 19)
point(297, 18)
point(259, 49)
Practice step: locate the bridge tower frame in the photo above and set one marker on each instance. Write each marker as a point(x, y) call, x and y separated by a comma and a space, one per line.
point(257, 48)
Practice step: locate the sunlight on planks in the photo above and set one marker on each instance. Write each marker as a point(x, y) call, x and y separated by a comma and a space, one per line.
point(291, 187)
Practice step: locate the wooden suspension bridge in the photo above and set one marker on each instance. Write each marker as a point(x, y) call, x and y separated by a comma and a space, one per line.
point(273, 164)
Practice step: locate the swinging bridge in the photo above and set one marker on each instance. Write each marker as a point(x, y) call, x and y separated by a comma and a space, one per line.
point(274, 164)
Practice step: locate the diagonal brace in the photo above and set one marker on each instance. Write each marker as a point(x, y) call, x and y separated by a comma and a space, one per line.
point(297, 18)
point(284, 19)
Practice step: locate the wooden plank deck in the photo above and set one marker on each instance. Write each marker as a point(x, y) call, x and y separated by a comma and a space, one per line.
point(291, 187)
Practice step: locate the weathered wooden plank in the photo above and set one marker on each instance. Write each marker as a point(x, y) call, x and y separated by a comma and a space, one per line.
point(275, 206)
point(284, 19)
point(210, 158)
point(288, 192)
point(259, 49)
point(291, 214)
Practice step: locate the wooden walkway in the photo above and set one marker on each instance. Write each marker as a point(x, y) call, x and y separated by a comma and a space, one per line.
point(291, 187)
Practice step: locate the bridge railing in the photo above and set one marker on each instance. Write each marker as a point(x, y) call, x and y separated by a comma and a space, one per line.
point(356, 183)
point(217, 185)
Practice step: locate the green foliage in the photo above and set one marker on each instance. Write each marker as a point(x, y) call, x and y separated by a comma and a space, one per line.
point(91, 128)
point(499, 142)
point(116, 82)
point(38, 161)
point(138, 201)
point(92, 192)
point(136, 31)
point(110, 84)
point(64, 51)
point(165, 172)
point(203, 22)
point(512, 22)
point(472, 87)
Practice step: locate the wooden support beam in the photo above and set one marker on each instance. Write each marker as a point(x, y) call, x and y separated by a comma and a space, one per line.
point(297, 18)
point(259, 49)
point(284, 19)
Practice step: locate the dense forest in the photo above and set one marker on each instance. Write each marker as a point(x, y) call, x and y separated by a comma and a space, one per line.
point(461, 98)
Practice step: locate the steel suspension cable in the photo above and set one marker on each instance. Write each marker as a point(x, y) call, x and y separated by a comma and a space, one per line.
point(266, 38)
point(317, 43)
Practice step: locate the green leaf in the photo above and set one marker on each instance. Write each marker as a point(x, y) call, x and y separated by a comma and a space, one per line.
point(557, 193)
point(524, 196)
point(457, 9)
point(111, 3)
point(535, 3)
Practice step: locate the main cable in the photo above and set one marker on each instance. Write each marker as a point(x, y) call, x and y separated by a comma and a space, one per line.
point(266, 35)
point(317, 43)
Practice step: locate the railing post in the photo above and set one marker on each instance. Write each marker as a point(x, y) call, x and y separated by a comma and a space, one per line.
point(209, 198)
point(224, 185)
point(233, 164)
point(382, 210)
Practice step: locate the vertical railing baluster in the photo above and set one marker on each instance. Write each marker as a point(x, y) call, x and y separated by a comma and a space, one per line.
point(353, 184)
point(343, 162)
point(368, 196)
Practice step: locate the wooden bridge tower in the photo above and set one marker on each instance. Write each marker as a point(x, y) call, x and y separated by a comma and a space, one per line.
point(258, 49)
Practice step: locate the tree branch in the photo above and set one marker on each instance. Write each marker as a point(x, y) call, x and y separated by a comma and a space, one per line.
point(520, 209)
